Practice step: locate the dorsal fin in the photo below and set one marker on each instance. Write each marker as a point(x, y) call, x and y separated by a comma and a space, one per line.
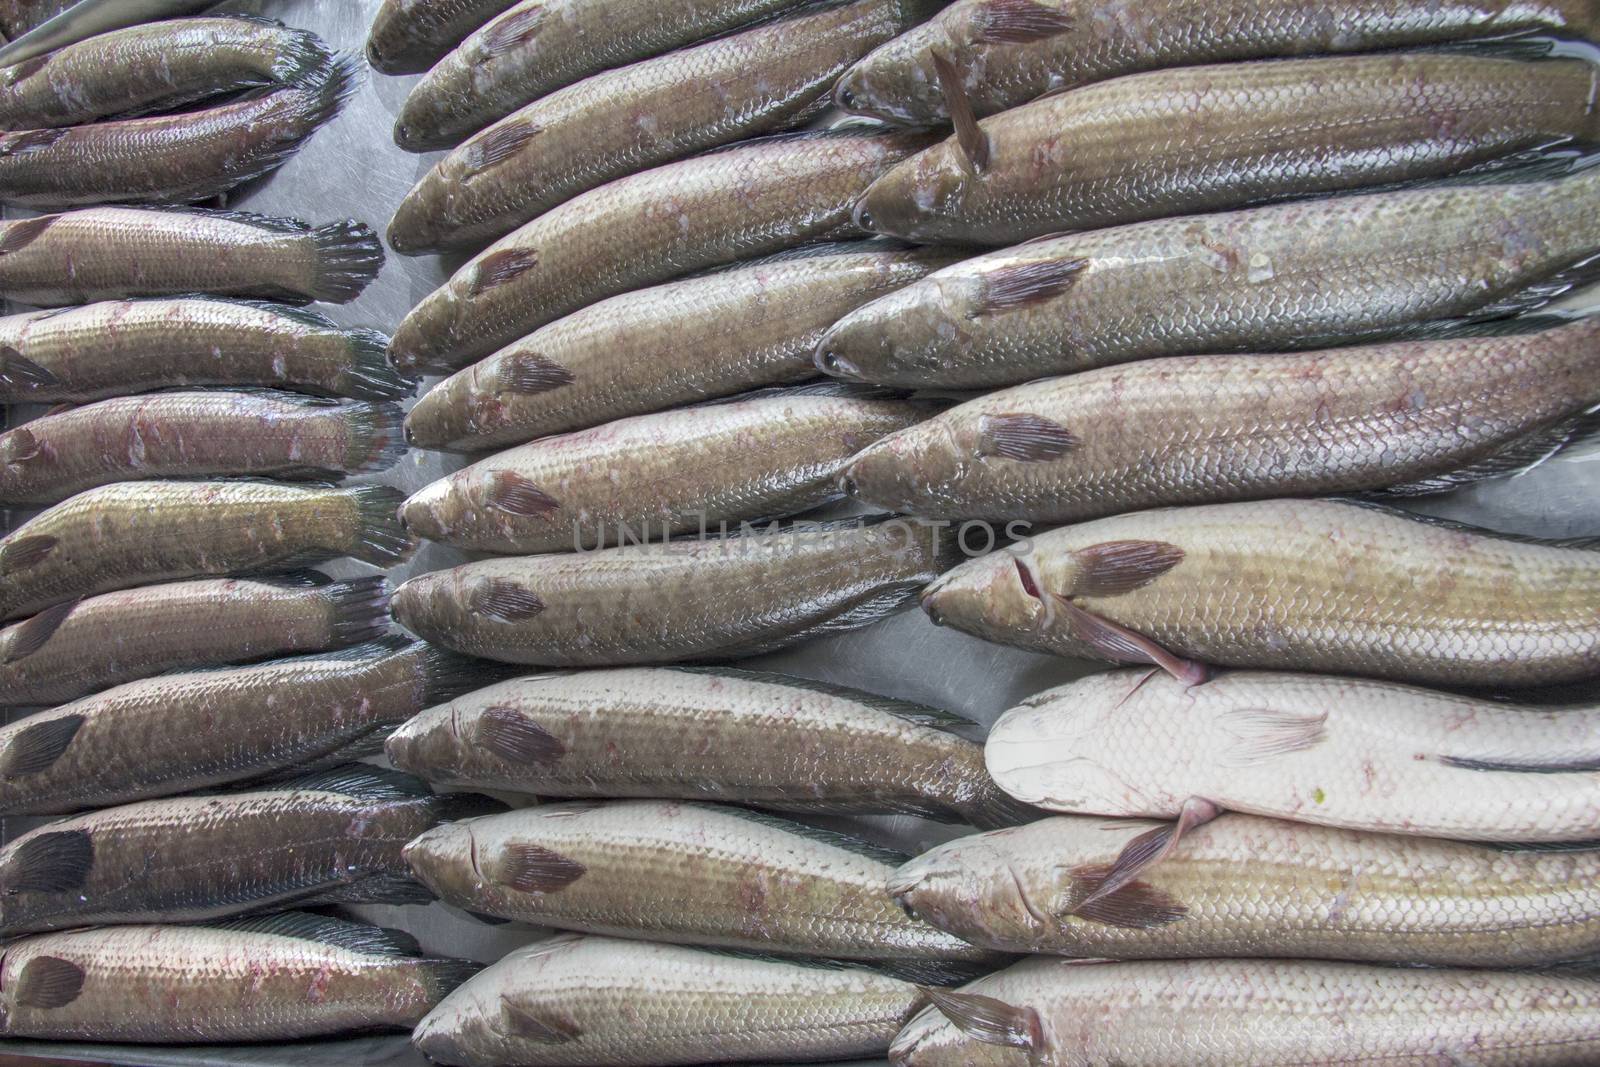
point(323, 929)
point(362, 782)
point(921, 714)
point(846, 842)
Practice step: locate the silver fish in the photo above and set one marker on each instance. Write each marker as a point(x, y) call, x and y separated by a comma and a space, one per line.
point(272, 978)
point(681, 600)
point(83, 646)
point(596, 1002)
point(709, 733)
point(766, 456)
point(664, 870)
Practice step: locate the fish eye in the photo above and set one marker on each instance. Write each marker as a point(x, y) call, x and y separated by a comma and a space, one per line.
point(864, 218)
point(828, 360)
point(847, 485)
point(844, 97)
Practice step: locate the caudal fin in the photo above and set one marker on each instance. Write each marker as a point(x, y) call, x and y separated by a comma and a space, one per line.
point(348, 257)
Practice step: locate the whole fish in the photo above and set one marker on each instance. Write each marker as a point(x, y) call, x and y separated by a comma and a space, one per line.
point(745, 201)
point(111, 252)
point(268, 978)
point(707, 734)
point(1351, 753)
point(681, 600)
point(180, 158)
point(121, 347)
point(1245, 886)
point(1419, 416)
point(136, 533)
point(700, 874)
point(180, 732)
point(538, 46)
point(329, 836)
point(626, 120)
point(679, 471)
point(409, 36)
point(1311, 274)
point(1008, 52)
point(1179, 142)
point(598, 1002)
point(195, 434)
point(83, 646)
point(1293, 585)
point(1267, 1013)
point(155, 66)
point(752, 325)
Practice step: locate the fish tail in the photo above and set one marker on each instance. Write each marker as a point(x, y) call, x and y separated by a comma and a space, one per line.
point(443, 975)
point(379, 537)
point(369, 375)
point(358, 609)
point(447, 675)
point(376, 442)
point(347, 257)
point(996, 809)
point(302, 56)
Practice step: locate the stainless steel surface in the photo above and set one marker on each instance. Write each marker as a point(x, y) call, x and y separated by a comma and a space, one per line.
point(89, 18)
point(353, 169)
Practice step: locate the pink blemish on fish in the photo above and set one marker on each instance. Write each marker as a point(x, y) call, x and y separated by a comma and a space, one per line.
point(318, 990)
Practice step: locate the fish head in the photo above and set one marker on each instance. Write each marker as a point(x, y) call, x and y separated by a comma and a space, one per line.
point(427, 745)
point(427, 605)
point(931, 1040)
point(987, 597)
point(909, 470)
point(446, 859)
point(946, 884)
point(914, 337)
point(460, 1028)
point(894, 82)
point(419, 222)
point(432, 511)
point(426, 336)
point(914, 197)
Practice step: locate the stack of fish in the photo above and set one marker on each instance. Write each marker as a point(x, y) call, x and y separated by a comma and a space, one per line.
point(1252, 255)
point(159, 605)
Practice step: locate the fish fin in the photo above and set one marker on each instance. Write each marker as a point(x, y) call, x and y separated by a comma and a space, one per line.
point(268, 223)
point(23, 445)
point(369, 375)
point(30, 635)
point(544, 1027)
point(937, 973)
point(970, 138)
point(511, 31)
point(1114, 568)
point(1148, 849)
point(1512, 459)
point(502, 267)
point(17, 371)
point(381, 539)
point(1024, 438)
point(528, 373)
point(453, 807)
point(1261, 734)
point(326, 930)
point(498, 144)
point(920, 714)
point(377, 441)
point(1020, 22)
point(1579, 275)
point(854, 845)
point(20, 235)
point(1587, 544)
point(51, 862)
point(512, 736)
point(1539, 166)
point(25, 141)
point(38, 745)
point(1585, 765)
point(48, 982)
point(27, 551)
point(489, 920)
point(513, 494)
point(386, 888)
point(876, 607)
point(443, 975)
point(1122, 645)
point(1454, 329)
point(529, 868)
point(1521, 46)
point(1010, 288)
point(502, 600)
point(360, 608)
point(446, 675)
point(360, 781)
point(991, 1021)
point(348, 257)
point(1136, 906)
point(996, 810)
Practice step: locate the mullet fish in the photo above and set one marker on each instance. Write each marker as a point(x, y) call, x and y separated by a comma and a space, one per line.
point(122, 347)
point(680, 471)
point(748, 200)
point(598, 1002)
point(181, 732)
point(707, 733)
point(751, 325)
point(680, 600)
point(155, 66)
point(1253, 887)
point(136, 533)
point(409, 36)
point(1308, 585)
point(538, 46)
point(1268, 1013)
point(1311, 274)
point(83, 646)
point(110, 252)
point(269, 978)
point(203, 433)
point(1005, 53)
point(700, 874)
point(626, 120)
point(332, 836)
point(1422, 416)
